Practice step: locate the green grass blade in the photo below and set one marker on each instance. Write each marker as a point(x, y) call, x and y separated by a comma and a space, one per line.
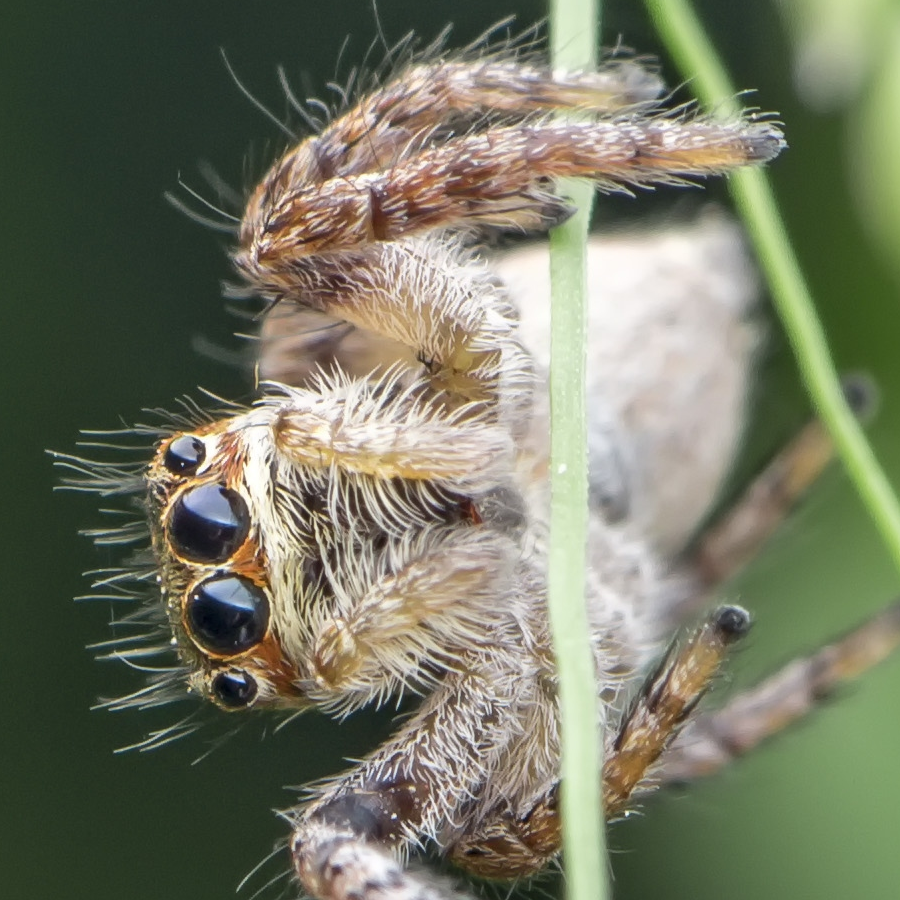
point(753, 196)
point(574, 35)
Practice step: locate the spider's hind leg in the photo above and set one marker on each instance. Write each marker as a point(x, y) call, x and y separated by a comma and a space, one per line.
point(714, 739)
point(734, 539)
point(664, 703)
point(509, 843)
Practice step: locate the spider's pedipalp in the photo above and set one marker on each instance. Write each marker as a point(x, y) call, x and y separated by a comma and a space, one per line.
point(433, 602)
point(372, 430)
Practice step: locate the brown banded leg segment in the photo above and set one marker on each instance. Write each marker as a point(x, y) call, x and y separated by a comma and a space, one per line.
point(509, 845)
point(713, 740)
point(496, 178)
point(347, 843)
point(733, 541)
point(666, 700)
point(398, 119)
point(736, 539)
point(427, 104)
point(506, 845)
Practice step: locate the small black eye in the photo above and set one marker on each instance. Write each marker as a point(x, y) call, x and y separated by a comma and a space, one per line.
point(234, 689)
point(184, 455)
point(227, 614)
point(208, 523)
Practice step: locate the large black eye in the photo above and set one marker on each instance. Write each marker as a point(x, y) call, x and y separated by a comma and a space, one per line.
point(227, 614)
point(234, 689)
point(184, 455)
point(208, 523)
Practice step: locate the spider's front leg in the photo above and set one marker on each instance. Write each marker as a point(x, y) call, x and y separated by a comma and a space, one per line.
point(423, 155)
point(350, 844)
point(454, 331)
point(353, 222)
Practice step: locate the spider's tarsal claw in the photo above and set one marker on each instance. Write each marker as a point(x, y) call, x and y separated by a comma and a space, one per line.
point(558, 213)
point(764, 143)
point(731, 623)
point(713, 740)
point(861, 394)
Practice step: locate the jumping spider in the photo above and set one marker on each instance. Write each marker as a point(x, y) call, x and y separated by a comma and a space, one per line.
point(376, 522)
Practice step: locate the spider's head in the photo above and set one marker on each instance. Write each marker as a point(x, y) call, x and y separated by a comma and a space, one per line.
point(210, 543)
point(265, 545)
point(268, 529)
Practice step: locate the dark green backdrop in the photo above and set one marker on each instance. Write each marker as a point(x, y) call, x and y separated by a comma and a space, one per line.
point(105, 290)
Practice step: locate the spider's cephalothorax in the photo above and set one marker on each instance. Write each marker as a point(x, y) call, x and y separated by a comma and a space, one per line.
point(376, 522)
point(273, 525)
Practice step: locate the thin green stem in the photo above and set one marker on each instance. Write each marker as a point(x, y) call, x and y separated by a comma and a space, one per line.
point(691, 49)
point(574, 29)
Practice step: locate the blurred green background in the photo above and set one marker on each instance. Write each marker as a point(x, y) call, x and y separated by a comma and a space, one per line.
point(107, 289)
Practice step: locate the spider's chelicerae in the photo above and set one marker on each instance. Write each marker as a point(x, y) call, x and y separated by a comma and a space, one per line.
point(376, 522)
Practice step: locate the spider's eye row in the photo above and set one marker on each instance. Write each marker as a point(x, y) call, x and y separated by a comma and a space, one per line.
point(208, 523)
point(227, 614)
point(184, 455)
point(234, 689)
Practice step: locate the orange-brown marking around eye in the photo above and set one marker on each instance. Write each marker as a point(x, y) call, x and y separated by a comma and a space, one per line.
point(283, 675)
point(249, 562)
point(266, 658)
point(231, 460)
